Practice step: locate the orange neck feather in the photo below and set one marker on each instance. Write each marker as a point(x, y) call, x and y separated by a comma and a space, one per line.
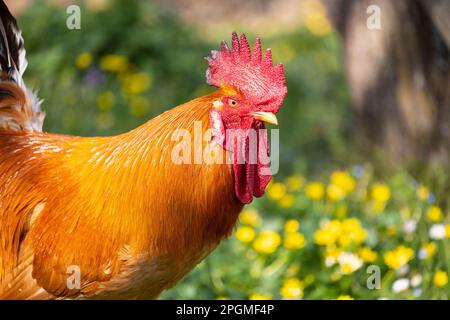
point(146, 199)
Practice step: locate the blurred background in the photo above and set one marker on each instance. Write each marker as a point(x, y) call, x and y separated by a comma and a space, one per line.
point(364, 131)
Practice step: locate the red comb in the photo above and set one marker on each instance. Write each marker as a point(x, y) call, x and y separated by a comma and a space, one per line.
point(252, 74)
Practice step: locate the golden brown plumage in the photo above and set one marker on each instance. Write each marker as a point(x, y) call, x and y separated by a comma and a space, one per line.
point(100, 197)
point(120, 209)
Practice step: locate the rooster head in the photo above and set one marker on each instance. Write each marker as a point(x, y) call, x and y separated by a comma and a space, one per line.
point(253, 92)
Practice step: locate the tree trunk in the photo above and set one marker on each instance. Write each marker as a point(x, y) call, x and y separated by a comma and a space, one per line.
point(399, 75)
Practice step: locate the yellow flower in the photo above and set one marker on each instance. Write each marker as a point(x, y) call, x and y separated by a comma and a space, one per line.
point(287, 201)
point(347, 232)
point(276, 191)
point(353, 229)
point(222, 298)
point(139, 106)
point(367, 254)
point(295, 182)
point(434, 213)
point(315, 190)
point(344, 297)
point(447, 230)
point(329, 233)
point(398, 257)
point(335, 193)
point(294, 240)
point(135, 83)
point(331, 255)
point(249, 216)
point(440, 279)
point(291, 225)
point(344, 181)
point(423, 192)
point(317, 24)
point(105, 100)
point(292, 289)
point(349, 262)
point(257, 296)
point(114, 63)
point(428, 249)
point(267, 242)
point(83, 60)
point(245, 234)
point(380, 192)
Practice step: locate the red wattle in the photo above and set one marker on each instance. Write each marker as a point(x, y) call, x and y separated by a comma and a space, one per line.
point(250, 178)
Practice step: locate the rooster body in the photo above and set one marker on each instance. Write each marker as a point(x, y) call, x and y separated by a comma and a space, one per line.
point(119, 209)
point(98, 201)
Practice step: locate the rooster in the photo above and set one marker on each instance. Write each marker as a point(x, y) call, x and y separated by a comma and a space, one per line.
point(116, 217)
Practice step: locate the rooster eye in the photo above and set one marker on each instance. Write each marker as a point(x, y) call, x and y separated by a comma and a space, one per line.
point(232, 103)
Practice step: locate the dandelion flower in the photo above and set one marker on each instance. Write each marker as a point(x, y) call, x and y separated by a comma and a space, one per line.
point(427, 250)
point(434, 213)
point(344, 181)
point(335, 193)
point(422, 192)
point(353, 229)
point(257, 296)
point(295, 182)
point(292, 289)
point(331, 255)
point(315, 190)
point(294, 240)
point(276, 191)
point(135, 83)
point(447, 230)
point(397, 258)
point(440, 279)
point(367, 254)
point(287, 201)
point(249, 216)
point(344, 297)
point(317, 24)
point(267, 242)
point(245, 234)
point(83, 60)
point(329, 233)
point(114, 63)
point(380, 193)
point(291, 225)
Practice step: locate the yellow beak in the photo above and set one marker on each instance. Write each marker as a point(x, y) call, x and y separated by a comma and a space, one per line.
point(268, 117)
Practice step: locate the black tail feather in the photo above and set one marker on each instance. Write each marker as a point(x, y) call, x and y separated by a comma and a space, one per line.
point(12, 51)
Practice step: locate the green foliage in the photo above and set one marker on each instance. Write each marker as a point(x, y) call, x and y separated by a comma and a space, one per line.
point(152, 42)
point(346, 223)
